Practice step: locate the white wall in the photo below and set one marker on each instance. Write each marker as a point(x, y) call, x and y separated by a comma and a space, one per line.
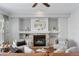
point(73, 27)
point(63, 28)
point(13, 29)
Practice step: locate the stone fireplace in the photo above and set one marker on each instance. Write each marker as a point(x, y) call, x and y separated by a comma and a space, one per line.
point(39, 40)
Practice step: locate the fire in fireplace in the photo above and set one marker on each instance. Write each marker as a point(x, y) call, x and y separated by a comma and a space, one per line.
point(39, 40)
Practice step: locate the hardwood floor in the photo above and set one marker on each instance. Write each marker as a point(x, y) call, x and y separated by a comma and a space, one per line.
point(39, 54)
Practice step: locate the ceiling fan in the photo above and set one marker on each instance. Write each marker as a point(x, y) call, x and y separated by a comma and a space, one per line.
point(46, 4)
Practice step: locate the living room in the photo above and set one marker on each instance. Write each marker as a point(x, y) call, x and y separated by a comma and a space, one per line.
point(39, 29)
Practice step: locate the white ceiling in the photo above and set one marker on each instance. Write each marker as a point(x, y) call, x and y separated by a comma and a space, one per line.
point(26, 8)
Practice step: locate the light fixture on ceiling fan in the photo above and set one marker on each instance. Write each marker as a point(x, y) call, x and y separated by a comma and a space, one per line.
point(46, 4)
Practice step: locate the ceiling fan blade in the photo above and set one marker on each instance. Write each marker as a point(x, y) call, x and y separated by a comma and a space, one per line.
point(34, 4)
point(46, 4)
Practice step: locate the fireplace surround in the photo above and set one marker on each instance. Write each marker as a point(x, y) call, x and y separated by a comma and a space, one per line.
point(39, 40)
point(44, 41)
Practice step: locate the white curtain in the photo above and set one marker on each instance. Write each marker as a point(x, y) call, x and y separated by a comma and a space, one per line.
point(1, 29)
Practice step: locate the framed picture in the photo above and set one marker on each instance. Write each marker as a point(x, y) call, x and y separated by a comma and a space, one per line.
point(39, 24)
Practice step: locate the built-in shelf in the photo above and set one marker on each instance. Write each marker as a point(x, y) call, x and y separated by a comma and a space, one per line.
point(25, 25)
point(29, 27)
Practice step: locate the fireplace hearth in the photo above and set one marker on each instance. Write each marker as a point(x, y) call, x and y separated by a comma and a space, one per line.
point(39, 40)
